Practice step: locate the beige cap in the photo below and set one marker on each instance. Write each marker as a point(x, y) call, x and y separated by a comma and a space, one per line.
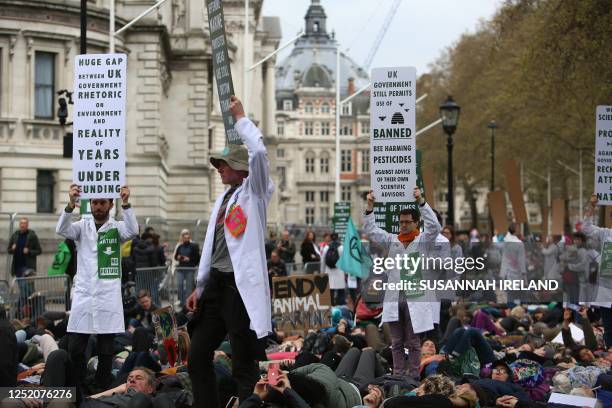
point(236, 156)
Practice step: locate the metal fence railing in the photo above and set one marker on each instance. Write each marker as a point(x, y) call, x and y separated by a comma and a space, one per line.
point(150, 279)
point(32, 296)
point(4, 294)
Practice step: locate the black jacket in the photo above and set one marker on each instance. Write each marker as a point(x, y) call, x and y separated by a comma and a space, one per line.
point(143, 254)
point(193, 251)
point(309, 253)
point(32, 244)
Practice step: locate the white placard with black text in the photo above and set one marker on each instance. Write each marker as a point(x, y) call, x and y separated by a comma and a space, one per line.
point(392, 129)
point(98, 158)
point(603, 155)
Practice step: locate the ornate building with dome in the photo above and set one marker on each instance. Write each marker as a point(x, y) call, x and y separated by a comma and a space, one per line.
point(305, 153)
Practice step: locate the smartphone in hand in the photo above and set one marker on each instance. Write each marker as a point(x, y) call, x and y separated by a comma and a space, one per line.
point(273, 373)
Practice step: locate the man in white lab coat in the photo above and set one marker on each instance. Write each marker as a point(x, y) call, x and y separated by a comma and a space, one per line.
point(407, 313)
point(604, 290)
point(97, 306)
point(232, 295)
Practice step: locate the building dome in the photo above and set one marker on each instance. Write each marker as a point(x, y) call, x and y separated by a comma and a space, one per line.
point(312, 62)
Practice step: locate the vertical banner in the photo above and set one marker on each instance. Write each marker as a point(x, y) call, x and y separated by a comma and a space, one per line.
point(513, 182)
point(342, 212)
point(98, 152)
point(392, 128)
point(497, 209)
point(603, 155)
point(221, 66)
point(558, 216)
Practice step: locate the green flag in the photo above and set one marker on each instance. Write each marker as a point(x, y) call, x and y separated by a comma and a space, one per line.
point(354, 259)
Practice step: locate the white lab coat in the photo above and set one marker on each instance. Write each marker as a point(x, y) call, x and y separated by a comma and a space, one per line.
point(603, 235)
point(551, 262)
point(336, 275)
point(97, 306)
point(514, 262)
point(247, 252)
point(421, 312)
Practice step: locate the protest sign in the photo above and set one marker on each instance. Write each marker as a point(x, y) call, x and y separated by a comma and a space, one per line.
point(603, 155)
point(301, 303)
point(98, 158)
point(513, 182)
point(392, 129)
point(386, 214)
point(342, 212)
point(497, 209)
point(221, 66)
point(558, 216)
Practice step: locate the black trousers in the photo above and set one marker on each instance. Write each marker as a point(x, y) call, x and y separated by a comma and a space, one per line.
point(77, 345)
point(220, 313)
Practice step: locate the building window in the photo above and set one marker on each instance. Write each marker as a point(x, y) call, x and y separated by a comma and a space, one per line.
point(346, 164)
point(310, 164)
point(281, 177)
point(324, 164)
point(308, 128)
point(324, 215)
point(44, 85)
point(310, 211)
point(287, 105)
point(280, 153)
point(346, 193)
point(324, 196)
point(280, 129)
point(365, 161)
point(346, 130)
point(310, 196)
point(347, 109)
point(325, 107)
point(365, 128)
point(308, 108)
point(324, 128)
point(45, 183)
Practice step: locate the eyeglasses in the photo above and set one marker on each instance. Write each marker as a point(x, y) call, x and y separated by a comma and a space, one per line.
point(499, 371)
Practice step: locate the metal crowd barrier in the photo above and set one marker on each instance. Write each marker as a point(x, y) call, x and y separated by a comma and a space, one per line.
point(312, 267)
point(4, 294)
point(31, 297)
point(150, 279)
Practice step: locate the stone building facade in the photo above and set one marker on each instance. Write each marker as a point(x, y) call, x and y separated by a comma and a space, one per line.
point(173, 116)
point(305, 157)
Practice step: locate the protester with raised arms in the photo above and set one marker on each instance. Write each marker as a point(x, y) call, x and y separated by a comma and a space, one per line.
point(232, 294)
point(97, 307)
point(406, 318)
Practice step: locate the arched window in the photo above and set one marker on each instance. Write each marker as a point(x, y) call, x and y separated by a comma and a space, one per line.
point(308, 107)
point(309, 162)
point(325, 107)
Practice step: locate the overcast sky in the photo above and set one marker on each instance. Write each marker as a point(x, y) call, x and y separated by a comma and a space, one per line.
point(419, 32)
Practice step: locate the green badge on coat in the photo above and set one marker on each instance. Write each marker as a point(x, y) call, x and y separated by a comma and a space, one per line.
point(109, 254)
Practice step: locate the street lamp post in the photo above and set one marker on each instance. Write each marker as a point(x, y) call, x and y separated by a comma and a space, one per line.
point(492, 125)
point(449, 113)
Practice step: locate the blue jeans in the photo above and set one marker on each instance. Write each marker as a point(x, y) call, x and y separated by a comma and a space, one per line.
point(184, 283)
point(462, 339)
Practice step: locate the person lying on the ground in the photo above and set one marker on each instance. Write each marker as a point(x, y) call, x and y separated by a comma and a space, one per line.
point(582, 353)
point(139, 390)
point(281, 395)
point(436, 391)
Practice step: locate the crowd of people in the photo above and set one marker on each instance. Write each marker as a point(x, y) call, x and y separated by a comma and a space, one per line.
point(224, 349)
